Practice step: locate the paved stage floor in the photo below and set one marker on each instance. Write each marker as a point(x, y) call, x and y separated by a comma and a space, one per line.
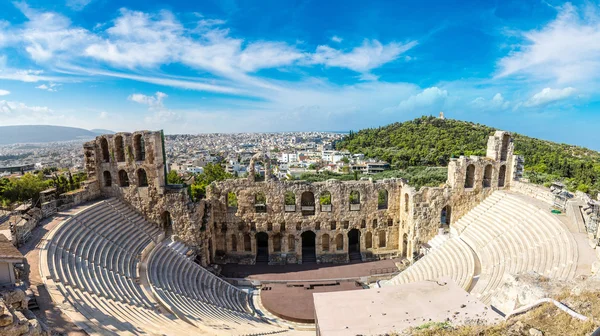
point(313, 271)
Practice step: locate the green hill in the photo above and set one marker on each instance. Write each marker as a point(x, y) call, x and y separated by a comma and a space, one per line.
point(430, 141)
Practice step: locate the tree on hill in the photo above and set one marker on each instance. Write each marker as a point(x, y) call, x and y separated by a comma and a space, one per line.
point(430, 141)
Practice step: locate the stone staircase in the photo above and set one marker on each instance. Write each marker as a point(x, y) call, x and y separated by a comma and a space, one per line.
point(194, 294)
point(91, 263)
point(505, 234)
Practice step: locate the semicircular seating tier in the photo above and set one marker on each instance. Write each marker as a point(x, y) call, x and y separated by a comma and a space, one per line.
point(509, 234)
point(194, 294)
point(90, 262)
point(454, 259)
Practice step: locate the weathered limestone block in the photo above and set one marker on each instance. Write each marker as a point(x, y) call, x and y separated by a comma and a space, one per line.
point(15, 298)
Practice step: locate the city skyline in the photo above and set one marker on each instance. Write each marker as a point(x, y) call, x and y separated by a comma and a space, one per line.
point(229, 66)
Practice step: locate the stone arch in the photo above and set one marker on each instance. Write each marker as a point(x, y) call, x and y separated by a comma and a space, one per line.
point(325, 201)
point(504, 147)
point(325, 242)
point(368, 240)
point(382, 239)
point(382, 199)
point(142, 179)
point(119, 148)
point(354, 200)
point(139, 147)
point(309, 253)
point(259, 157)
point(107, 178)
point(104, 149)
point(339, 242)
point(277, 242)
point(232, 202)
point(291, 243)
point(233, 242)
point(487, 176)
point(445, 216)
point(406, 199)
point(502, 176)
point(167, 223)
point(260, 202)
point(262, 247)
point(307, 203)
point(289, 201)
point(470, 176)
point(247, 243)
point(123, 178)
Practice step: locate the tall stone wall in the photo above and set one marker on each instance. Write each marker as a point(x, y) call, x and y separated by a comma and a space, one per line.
point(221, 232)
point(327, 222)
point(131, 166)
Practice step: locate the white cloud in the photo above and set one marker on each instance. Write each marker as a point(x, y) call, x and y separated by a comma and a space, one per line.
point(363, 59)
point(152, 101)
point(336, 39)
point(48, 35)
point(51, 87)
point(548, 96)
point(496, 103)
point(18, 113)
point(103, 115)
point(566, 49)
point(4, 92)
point(431, 98)
point(78, 4)
point(158, 112)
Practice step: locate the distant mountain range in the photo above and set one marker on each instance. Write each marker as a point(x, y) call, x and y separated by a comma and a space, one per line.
point(45, 133)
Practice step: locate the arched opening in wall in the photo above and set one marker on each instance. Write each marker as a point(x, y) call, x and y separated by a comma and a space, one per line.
point(369, 240)
point(501, 176)
point(470, 177)
point(307, 202)
point(142, 178)
point(247, 243)
point(354, 244)
point(277, 242)
point(262, 247)
point(309, 253)
point(382, 239)
point(260, 202)
point(119, 149)
point(167, 223)
point(354, 199)
point(107, 178)
point(233, 243)
point(232, 202)
point(382, 199)
point(139, 147)
point(339, 242)
point(291, 243)
point(445, 217)
point(404, 245)
point(123, 178)
point(289, 201)
point(487, 176)
point(325, 242)
point(325, 201)
point(104, 148)
point(504, 148)
point(406, 198)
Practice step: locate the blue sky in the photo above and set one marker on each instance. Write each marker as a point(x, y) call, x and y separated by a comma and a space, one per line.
point(241, 66)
